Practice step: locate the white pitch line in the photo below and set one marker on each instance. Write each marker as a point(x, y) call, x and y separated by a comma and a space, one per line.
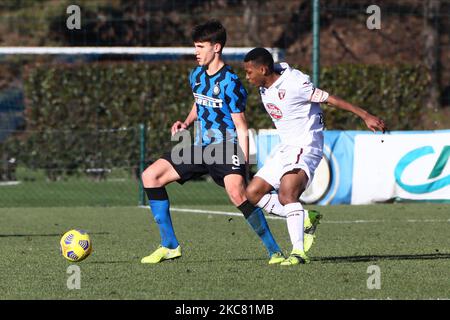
point(236, 214)
point(427, 220)
point(353, 221)
point(267, 217)
point(224, 213)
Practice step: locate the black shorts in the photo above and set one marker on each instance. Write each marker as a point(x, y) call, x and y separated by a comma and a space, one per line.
point(219, 160)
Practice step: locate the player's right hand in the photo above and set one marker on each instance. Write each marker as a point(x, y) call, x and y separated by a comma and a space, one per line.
point(374, 123)
point(178, 126)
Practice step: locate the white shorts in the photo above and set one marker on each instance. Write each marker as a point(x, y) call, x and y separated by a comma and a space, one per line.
point(285, 158)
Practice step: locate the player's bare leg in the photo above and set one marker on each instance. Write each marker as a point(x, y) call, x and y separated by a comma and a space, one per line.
point(154, 178)
point(292, 185)
point(258, 194)
point(235, 187)
point(257, 190)
point(159, 174)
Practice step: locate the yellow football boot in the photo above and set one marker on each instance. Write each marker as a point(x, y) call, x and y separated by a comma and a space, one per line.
point(161, 254)
point(277, 257)
point(296, 257)
point(312, 220)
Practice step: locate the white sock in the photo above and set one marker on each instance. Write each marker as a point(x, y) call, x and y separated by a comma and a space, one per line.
point(295, 215)
point(270, 203)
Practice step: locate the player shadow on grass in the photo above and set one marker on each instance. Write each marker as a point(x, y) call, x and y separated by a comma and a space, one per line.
point(112, 262)
point(343, 259)
point(223, 260)
point(368, 258)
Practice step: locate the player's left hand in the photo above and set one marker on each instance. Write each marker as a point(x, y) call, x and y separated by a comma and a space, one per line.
point(375, 123)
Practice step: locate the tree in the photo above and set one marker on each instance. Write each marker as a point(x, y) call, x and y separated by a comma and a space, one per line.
point(431, 50)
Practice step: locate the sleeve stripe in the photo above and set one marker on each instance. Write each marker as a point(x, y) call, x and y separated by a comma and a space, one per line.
point(319, 95)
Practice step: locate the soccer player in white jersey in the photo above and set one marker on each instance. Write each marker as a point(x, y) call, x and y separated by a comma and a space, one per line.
point(293, 103)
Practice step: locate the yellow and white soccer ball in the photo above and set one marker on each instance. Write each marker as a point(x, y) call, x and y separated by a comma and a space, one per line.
point(75, 245)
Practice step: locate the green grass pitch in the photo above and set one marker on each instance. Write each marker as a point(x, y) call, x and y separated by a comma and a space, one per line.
point(222, 257)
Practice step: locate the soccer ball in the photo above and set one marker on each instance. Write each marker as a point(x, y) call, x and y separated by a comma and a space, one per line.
point(75, 245)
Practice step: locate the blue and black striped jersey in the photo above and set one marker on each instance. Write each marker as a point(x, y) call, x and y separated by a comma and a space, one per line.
point(217, 97)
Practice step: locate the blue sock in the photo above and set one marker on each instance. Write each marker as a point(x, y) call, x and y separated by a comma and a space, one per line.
point(161, 214)
point(255, 218)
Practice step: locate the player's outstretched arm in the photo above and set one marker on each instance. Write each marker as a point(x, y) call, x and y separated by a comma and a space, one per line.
point(372, 122)
point(178, 125)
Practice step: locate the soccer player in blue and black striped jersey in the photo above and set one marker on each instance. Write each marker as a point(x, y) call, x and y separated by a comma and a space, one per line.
point(222, 133)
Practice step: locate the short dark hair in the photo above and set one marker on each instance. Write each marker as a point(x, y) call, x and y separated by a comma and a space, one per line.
point(211, 31)
point(260, 56)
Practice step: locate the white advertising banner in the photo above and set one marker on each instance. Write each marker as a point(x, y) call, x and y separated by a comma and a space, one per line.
point(410, 166)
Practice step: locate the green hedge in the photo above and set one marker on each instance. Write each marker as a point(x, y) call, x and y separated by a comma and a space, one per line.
point(71, 109)
point(395, 93)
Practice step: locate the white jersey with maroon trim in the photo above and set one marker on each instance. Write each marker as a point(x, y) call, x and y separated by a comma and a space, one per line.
point(298, 121)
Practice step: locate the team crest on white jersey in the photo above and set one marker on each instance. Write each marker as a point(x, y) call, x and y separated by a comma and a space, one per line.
point(281, 93)
point(274, 111)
